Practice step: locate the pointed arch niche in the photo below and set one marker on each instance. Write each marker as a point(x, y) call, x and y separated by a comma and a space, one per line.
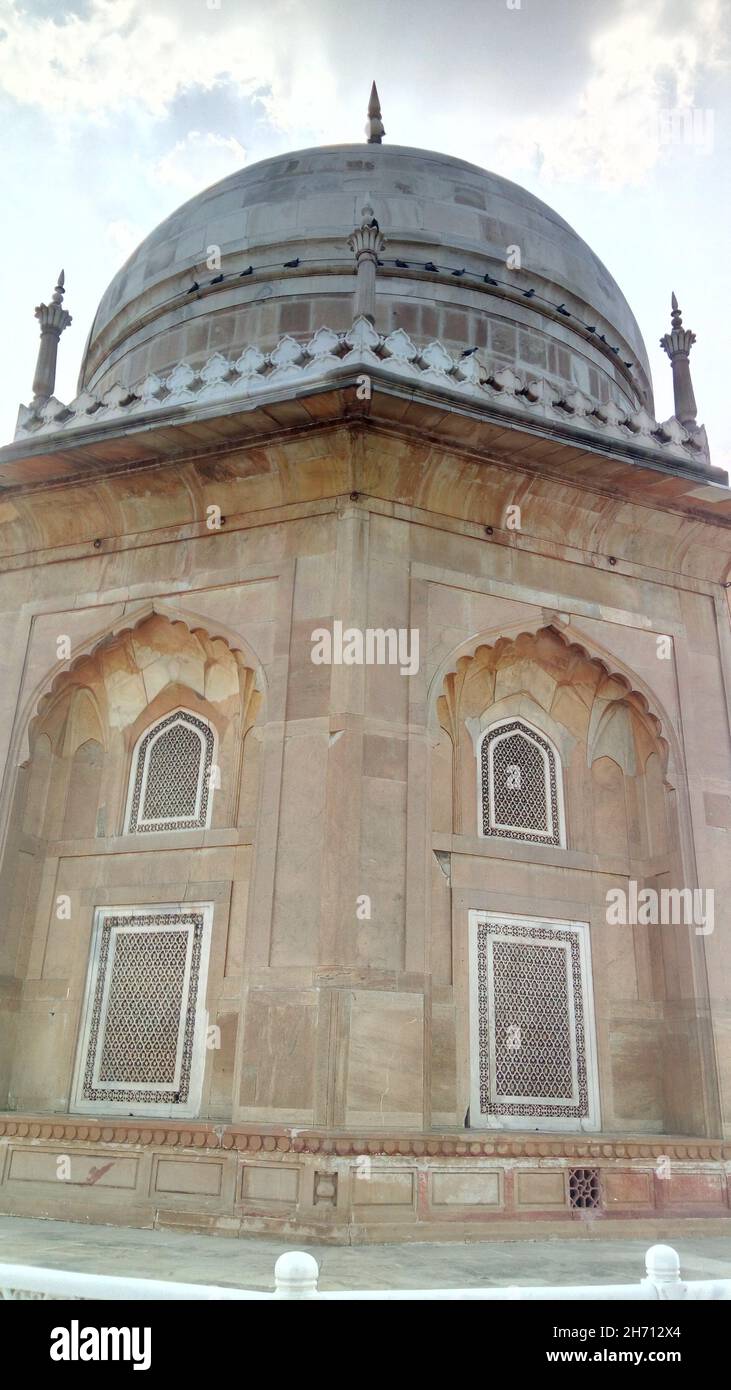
point(71, 807)
point(113, 696)
point(618, 806)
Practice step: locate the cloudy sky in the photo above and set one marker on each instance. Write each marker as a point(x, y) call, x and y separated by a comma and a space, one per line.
point(116, 111)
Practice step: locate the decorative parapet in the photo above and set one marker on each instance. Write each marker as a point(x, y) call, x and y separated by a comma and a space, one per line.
point(470, 376)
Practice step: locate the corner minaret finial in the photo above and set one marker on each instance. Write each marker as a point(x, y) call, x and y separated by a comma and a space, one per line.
point(366, 242)
point(677, 345)
point(374, 125)
point(53, 318)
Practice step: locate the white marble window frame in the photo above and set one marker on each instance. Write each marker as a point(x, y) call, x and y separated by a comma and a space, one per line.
point(480, 1119)
point(80, 1104)
point(149, 825)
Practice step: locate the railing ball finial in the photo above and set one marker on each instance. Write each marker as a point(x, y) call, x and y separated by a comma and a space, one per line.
point(295, 1275)
point(663, 1264)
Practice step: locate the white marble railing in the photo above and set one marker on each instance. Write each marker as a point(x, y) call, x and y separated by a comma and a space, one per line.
point(296, 1277)
point(470, 376)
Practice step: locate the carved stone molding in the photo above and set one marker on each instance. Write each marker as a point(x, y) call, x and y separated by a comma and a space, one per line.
point(243, 1139)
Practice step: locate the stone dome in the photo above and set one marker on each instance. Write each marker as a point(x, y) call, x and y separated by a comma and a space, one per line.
point(434, 210)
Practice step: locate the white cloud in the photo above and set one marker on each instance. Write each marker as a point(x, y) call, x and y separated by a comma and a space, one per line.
point(202, 158)
point(617, 130)
point(124, 236)
point(120, 56)
point(124, 53)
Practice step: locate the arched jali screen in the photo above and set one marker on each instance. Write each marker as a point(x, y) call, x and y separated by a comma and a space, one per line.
point(521, 775)
point(170, 782)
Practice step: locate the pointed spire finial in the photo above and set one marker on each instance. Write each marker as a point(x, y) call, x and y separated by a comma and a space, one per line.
point(59, 291)
point(677, 345)
point(374, 125)
point(53, 319)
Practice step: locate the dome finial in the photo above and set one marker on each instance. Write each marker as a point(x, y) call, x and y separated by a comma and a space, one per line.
point(374, 125)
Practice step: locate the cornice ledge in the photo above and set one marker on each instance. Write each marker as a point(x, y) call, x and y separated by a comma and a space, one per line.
point(471, 376)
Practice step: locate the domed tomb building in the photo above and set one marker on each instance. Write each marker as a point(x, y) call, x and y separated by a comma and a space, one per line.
point(365, 730)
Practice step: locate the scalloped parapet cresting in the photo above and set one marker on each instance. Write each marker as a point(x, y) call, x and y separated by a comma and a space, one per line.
point(469, 375)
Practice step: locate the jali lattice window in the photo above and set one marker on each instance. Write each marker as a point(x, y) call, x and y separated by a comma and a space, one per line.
point(532, 1026)
point(143, 1038)
point(170, 785)
point(584, 1189)
point(520, 783)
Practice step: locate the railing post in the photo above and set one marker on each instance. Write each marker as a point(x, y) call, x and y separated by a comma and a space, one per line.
point(663, 1272)
point(295, 1275)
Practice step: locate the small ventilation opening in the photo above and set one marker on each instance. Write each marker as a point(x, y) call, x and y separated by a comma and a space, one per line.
point(584, 1192)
